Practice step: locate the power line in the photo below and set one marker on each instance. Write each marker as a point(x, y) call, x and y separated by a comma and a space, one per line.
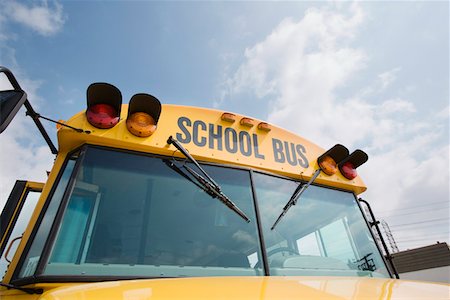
point(411, 207)
point(427, 221)
point(423, 238)
point(439, 224)
point(428, 234)
point(418, 240)
point(409, 213)
point(429, 241)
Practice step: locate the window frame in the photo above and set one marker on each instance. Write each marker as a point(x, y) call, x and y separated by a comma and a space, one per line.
point(15, 279)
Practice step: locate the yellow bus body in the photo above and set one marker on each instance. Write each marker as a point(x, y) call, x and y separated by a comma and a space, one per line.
point(263, 159)
point(261, 153)
point(248, 288)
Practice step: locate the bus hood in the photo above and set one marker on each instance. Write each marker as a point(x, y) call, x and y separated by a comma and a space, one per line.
point(248, 288)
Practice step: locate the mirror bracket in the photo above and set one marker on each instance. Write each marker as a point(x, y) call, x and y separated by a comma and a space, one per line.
point(15, 102)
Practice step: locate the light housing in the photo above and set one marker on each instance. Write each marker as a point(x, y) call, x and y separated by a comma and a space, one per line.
point(328, 162)
point(247, 122)
point(143, 115)
point(264, 127)
point(104, 102)
point(350, 163)
point(228, 117)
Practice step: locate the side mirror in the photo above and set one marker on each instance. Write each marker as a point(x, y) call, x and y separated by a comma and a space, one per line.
point(10, 100)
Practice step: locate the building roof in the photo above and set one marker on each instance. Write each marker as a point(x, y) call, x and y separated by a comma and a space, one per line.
point(428, 257)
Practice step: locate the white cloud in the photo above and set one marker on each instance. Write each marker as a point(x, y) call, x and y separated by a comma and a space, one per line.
point(22, 155)
point(444, 114)
point(46, 19)
point(299, 65)
point(384, 80)
point(397, 106)
point(387, 78)
point(23, 152)
point(302, 64)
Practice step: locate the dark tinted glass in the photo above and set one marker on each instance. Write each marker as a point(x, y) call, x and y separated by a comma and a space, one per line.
point(324, 234)
point(134, 215)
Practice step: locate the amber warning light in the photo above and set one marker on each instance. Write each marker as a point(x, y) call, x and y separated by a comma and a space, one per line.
point(143, 115)
point(328, 162)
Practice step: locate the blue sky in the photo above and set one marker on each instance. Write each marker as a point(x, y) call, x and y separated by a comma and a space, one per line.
point(370, 75)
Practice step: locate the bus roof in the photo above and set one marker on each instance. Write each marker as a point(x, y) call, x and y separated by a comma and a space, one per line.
point(211, 136)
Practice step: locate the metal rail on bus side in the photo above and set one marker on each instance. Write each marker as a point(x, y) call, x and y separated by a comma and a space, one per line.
point(375, 223)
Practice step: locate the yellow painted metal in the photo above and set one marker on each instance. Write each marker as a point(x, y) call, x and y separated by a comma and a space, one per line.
point(254, 148)
point(35, 186)
point(45, 191)
point(249, 288)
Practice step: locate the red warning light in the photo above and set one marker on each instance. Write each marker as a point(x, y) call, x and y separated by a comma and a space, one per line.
point(102, 116)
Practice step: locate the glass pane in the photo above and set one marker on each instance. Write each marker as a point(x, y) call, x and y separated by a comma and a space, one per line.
point(309, 245)
point(134, 215)
point(22, 221)
point(323, 234)
point(337, 242)
point(30, 264)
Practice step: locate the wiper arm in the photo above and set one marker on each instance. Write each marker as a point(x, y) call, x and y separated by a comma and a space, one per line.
point(295, 196)
point(207, 184)
point(26, 290)
point(215, 193)
point(174, 167)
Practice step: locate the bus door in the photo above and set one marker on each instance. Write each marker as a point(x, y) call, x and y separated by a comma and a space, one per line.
point(15, 217)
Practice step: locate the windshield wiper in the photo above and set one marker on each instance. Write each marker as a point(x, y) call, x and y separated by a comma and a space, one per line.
point(173, 166)
point(207, 184)
point(26, 290)
point(295, 196)
point(336, 155)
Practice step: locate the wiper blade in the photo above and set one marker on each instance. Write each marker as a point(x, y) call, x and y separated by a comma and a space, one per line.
point(295, 196)
point(26, 290)
point(207, 184)
point(215, 193)
point(177, 169)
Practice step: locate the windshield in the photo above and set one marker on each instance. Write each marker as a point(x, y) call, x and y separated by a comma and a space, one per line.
point(323, 234)
point(131, 215)
point(134, 215)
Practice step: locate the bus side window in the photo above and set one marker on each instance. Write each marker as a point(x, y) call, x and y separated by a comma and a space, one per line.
point(26, 208)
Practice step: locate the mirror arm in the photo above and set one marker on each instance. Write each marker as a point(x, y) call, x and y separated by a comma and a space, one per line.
point(30, 111)
point(35, 116)
point(11, 78)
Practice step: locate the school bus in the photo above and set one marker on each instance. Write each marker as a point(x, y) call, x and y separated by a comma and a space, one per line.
point(156, 201)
